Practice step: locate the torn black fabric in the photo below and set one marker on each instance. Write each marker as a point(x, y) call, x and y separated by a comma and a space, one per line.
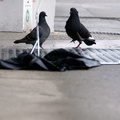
point(56, 60)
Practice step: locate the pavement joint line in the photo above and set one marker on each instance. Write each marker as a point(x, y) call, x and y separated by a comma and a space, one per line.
point(109, 18)
point(96, 32)
point(109, 33)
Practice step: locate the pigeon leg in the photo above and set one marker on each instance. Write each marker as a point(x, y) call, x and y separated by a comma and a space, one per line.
point(72, 41)
point(78, 46)
point(42, 47)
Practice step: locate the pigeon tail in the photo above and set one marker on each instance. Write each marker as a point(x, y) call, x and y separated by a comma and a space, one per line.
point(20, 41)
point(89, 41)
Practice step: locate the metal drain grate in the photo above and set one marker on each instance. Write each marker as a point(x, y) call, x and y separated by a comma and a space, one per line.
point(104, 56)
point(6, 53)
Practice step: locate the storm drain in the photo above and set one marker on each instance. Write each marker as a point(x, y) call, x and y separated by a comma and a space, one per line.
point(104, 56)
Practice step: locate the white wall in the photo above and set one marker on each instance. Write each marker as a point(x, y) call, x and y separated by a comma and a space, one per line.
point(13, 14)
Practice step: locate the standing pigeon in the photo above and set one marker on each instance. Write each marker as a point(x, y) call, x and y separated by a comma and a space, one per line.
point(44, 32)
point(76, 30)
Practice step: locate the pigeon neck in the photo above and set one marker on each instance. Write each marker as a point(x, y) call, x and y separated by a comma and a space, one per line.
point(41, 20)
point(75, 16)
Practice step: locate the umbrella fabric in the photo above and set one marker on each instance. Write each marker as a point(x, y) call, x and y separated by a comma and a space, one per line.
point(56, 60)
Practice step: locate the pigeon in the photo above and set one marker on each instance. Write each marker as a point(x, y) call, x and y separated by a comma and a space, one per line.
point(44, 32)
point(76, 30)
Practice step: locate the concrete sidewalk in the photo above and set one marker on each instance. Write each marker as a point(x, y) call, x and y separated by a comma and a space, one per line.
point(60, 40)
point(72, 95)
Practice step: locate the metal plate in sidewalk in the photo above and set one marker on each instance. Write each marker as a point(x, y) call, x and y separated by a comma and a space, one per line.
point(104, 56)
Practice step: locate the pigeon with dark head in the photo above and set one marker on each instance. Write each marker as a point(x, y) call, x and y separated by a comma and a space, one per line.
point(76, 30)
point(44, 32)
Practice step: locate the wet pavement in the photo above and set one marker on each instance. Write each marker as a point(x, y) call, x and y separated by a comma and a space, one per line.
point(72, 95)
